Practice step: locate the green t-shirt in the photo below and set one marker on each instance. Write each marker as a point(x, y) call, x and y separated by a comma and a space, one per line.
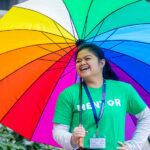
point(120, 98)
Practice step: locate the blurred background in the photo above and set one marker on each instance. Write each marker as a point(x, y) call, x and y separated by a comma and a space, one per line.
point(5, 5)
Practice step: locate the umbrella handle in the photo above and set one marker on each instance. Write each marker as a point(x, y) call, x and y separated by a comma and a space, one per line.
point(80, 143)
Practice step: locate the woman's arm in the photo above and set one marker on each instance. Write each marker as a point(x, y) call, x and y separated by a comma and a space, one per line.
point(142, 131)
point(66, 139)
point(62, 136)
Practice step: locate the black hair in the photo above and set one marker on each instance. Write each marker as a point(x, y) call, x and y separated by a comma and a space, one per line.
point(108, 73)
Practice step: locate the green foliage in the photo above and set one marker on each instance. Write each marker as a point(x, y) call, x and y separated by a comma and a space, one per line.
point(10, 140)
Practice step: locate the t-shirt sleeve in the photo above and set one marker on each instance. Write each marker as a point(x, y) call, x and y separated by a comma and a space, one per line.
point(135, 103)
point(63, 110)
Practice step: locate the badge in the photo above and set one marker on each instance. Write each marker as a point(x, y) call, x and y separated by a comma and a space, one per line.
point(97, 143)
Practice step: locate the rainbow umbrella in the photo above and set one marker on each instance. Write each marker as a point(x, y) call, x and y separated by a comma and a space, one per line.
point(37, 55)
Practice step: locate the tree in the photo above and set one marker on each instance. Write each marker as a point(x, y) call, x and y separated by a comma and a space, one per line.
point(10, 140)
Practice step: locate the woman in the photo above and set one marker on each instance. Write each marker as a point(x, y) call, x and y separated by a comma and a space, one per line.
point(103, 103)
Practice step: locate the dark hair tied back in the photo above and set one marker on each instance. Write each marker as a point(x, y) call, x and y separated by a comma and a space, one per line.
point(108, 73)
point(79, 42)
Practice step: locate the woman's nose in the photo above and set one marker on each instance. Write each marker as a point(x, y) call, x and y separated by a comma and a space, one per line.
point(83, 62)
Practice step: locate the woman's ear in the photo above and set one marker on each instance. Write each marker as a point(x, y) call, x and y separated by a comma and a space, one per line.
point(102, 62)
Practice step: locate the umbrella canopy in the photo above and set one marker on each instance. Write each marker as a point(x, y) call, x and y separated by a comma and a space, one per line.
point(37, 55)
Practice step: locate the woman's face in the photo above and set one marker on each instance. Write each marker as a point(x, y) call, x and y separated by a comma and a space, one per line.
point(88, 65)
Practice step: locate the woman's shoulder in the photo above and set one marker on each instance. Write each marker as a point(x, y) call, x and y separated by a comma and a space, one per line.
point(72, 88)
point(118, 83)
point(70, 93)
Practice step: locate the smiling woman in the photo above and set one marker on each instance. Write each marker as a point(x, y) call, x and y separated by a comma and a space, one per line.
point(35, 69)
point(93, 54)
point(88, 65)
point(96, 108)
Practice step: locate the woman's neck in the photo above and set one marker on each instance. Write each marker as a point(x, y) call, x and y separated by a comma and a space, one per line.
point(94, 82)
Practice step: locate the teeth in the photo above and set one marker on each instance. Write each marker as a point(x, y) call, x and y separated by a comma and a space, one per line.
point(84, 68)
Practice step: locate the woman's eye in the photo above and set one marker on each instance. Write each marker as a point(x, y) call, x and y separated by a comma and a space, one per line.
point(87, 58)
point(78, 61)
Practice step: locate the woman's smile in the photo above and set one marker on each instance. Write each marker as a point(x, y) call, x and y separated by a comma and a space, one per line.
point(84, 68)
point(87, 64)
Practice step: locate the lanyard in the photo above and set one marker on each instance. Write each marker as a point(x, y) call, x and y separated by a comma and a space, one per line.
point(97, 118)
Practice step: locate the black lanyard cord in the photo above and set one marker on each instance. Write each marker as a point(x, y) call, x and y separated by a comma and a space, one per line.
point(80, 102)
point(97, 117)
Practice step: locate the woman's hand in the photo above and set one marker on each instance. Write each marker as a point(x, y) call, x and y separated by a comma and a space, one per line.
point(122, 146)
point(78, 134)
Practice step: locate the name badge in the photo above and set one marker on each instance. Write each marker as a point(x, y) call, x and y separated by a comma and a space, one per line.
point(97, 143)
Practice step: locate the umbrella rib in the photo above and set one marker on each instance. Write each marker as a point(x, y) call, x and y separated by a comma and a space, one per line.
point(72, 26)
point(48, 98)
point(117, 29)
point(125, 55)
point(124, 41)
point(53, 60)
point(62, 36)
point(42, 15)
point(111, 14)
point(106, 50)
point(26, 65)
point(67, 73)
point(36, 31)
point(71, 19)
point(59, 68)
point(57, 61)
point(98, 31)
point(52, 51)
point(116, 44)
point(109, 37)
point(38, 45)
point(85, 24)
point(130, 77)
point(54, 42)
point(23, 95)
